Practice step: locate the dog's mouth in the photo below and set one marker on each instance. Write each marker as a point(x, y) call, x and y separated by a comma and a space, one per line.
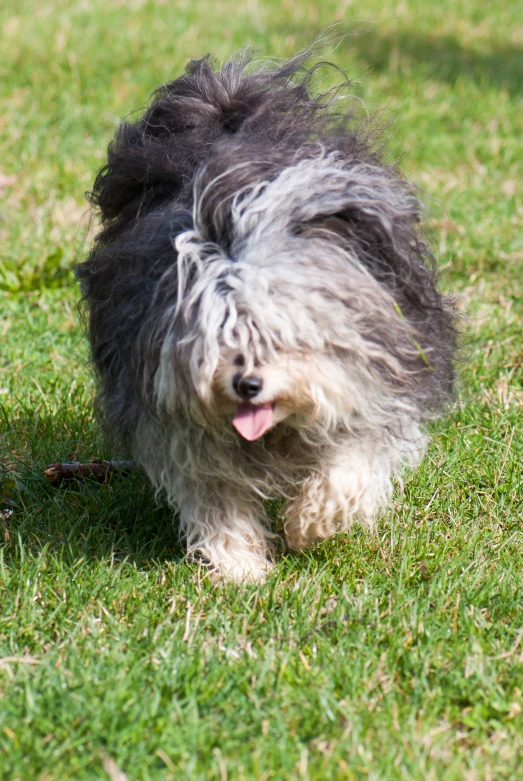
point(251, 421)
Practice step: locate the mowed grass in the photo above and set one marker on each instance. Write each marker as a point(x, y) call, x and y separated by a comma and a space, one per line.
point(394, 656)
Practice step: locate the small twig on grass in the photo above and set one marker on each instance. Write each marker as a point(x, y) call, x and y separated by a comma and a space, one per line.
point(112, 769)
point(97, 469)
point(19, 660)
point(514, 648)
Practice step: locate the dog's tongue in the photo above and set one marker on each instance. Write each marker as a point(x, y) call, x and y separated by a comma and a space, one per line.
point(252, 421)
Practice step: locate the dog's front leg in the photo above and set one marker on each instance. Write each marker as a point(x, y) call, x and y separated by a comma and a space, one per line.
point(227, 532)
point(353, 484)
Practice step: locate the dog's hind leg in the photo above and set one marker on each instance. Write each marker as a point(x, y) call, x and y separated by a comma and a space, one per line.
point(228, 533)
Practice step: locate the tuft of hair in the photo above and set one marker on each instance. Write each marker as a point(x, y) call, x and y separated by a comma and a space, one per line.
point(154, 159)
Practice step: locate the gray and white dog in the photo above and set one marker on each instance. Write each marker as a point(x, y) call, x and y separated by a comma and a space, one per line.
point(263, 310)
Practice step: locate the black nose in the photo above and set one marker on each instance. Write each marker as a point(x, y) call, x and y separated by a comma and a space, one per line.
point(247, 387)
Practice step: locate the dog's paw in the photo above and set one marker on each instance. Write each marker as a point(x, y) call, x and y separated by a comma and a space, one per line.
point(249, 570)
point(299, 536)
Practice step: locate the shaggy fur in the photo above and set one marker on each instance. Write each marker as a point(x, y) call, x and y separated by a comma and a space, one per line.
point(263, 313)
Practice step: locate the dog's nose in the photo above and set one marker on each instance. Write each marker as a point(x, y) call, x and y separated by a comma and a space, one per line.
point(247, 387)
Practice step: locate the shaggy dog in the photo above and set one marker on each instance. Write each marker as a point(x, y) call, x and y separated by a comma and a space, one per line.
point(263, 312)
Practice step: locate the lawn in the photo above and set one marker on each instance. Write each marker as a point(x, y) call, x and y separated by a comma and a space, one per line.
point(394, 656)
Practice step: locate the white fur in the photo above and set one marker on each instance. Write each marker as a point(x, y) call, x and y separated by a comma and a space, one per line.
point(309, 318)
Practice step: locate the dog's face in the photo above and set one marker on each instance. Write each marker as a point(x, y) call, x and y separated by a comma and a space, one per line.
point(263, 350)
point(257, 393)
point(278, 317)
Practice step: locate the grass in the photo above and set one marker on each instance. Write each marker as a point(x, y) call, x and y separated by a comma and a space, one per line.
point(398, 656)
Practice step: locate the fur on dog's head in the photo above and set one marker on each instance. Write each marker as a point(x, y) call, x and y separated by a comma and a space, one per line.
point(258, 264)
point(277, 314)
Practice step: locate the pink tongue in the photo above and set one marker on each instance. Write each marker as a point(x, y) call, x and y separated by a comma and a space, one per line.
point(252, 421)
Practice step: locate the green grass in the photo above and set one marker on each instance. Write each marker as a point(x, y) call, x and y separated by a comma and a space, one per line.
point(398, 656)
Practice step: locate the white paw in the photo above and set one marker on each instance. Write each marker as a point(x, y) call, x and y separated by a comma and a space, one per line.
point(251, 569)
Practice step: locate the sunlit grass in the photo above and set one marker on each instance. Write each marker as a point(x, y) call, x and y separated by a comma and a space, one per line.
point(398, 656)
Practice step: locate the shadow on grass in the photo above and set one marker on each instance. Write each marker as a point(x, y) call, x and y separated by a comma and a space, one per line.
point(117, 520)
point(442, 58)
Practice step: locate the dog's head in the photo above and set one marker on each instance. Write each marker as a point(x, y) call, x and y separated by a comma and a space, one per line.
point(297, 294)
point(258, 264)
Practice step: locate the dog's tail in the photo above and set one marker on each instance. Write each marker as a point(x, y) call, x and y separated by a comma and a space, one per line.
point(154, 160)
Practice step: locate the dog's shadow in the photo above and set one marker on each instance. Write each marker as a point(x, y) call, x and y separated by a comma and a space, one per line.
point(117, 520)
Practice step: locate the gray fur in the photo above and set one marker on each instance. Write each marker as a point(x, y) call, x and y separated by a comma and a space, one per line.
point(295, 254)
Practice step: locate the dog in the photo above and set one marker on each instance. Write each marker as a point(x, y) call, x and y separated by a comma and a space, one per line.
point(263, 310)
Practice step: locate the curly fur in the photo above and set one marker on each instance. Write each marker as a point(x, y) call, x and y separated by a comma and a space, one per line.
point(250, 231)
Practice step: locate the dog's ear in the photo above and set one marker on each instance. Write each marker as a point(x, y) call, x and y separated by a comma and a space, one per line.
point(355, 201)
point(368, 210)
point(328, 185)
